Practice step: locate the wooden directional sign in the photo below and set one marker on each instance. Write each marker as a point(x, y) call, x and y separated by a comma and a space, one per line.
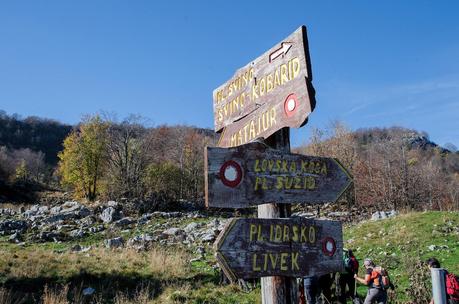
point(293, 247)
point(272, 92)
point(255, 174)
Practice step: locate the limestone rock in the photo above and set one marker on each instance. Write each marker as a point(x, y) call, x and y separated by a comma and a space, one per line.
point(114, 243)
point(109, 215)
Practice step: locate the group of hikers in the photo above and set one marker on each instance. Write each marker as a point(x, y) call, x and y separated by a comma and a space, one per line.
point(376, 279)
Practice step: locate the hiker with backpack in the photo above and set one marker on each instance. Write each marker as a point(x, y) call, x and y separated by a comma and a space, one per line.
point(346, 278)
point(451, 283)
point(314, 286)
point(377, 280)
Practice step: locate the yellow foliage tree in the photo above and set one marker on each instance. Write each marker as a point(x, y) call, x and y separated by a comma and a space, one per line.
point(82, 162)
point(22, 174)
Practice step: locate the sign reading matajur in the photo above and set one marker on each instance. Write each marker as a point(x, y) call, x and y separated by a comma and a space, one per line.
point(272, 92)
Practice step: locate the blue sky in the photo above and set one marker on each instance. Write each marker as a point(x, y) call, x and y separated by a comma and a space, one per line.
point(375, 63)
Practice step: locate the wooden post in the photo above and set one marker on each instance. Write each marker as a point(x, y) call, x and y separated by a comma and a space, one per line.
point(278, 290)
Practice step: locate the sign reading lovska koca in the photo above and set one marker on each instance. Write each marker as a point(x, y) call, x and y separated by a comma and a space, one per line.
point(254, 174)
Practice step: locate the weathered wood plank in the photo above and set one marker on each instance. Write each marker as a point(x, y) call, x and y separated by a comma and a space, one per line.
point(263, 86)
point(277, 289)
point(293, 247)
point(255, 174)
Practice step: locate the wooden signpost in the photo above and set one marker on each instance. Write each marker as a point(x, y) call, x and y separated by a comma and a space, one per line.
point(254, 174)
point(293, 247)
point(260, 103)
point(272, 92)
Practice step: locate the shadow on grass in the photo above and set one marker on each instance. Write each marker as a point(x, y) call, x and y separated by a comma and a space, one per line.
point(107, 286)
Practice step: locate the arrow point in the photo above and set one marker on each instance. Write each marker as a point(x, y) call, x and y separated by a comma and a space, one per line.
point(286, 46)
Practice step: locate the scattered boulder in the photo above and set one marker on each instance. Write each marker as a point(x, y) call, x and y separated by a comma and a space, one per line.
point(173, 231)
point(77, 233)
point(125, 221)
point(49, 236)
point(167, 214)
point(432, 247)
point(55, 210)
point(15, 238)
point(141, 242)
point(109, 215)
point(114, 243)
point(191, 227)
point(200, 250)
point(96, 229)
point(380, 215)
point(79, 248)
point(60, 217)
point(113, 204)
point(7, 211)
point(70, 206)
point(87, 221)
point(11, 226)
point(145, 219)
point(303, 214)
point(338, 214)
point(209, 236)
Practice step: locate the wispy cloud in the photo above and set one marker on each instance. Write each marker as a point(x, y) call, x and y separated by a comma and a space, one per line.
point(431, 105)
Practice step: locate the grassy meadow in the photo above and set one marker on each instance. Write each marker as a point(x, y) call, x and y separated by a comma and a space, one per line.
point(52, 273)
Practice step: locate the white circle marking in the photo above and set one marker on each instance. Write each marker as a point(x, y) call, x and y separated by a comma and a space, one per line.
point(291, 104)
point(329, 246)
point(230, 173)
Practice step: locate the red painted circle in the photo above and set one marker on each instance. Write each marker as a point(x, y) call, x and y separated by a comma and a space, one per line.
point(291, 104)
point(328, 241)
point(231, 182)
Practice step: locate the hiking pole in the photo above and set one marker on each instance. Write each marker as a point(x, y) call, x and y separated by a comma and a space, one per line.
point(438, 285)
point(355, 299)
point(326, 299)
point(355, 288)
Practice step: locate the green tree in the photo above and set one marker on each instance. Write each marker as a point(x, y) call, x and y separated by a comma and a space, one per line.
point(82, 162)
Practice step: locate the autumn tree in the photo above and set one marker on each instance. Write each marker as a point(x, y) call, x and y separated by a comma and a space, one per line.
point(83, 160)
point(127, 144)
point(182, 147)
point(23, 165)
point(335, 141)
point(163, 179)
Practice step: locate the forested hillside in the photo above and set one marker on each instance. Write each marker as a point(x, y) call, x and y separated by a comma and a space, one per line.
point(33, 133)
point(392, 167)
point(103, 158)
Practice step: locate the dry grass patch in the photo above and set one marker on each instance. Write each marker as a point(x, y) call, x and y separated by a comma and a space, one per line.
point(141, 296)
point(53, 296)
point(40, 262)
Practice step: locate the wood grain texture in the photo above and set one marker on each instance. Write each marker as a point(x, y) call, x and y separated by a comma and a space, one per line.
point(277, 289)
point(271, 175)
point(250, 248)
point(264, 84)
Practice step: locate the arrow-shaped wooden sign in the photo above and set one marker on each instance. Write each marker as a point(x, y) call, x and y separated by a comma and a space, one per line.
point(267, 94)
point(254, 174)
point(293, 247)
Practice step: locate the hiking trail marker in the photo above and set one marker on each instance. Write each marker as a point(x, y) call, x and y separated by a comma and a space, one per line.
point(293, 247)
point(260, 103)
point(254, 174)
point(272, 92)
